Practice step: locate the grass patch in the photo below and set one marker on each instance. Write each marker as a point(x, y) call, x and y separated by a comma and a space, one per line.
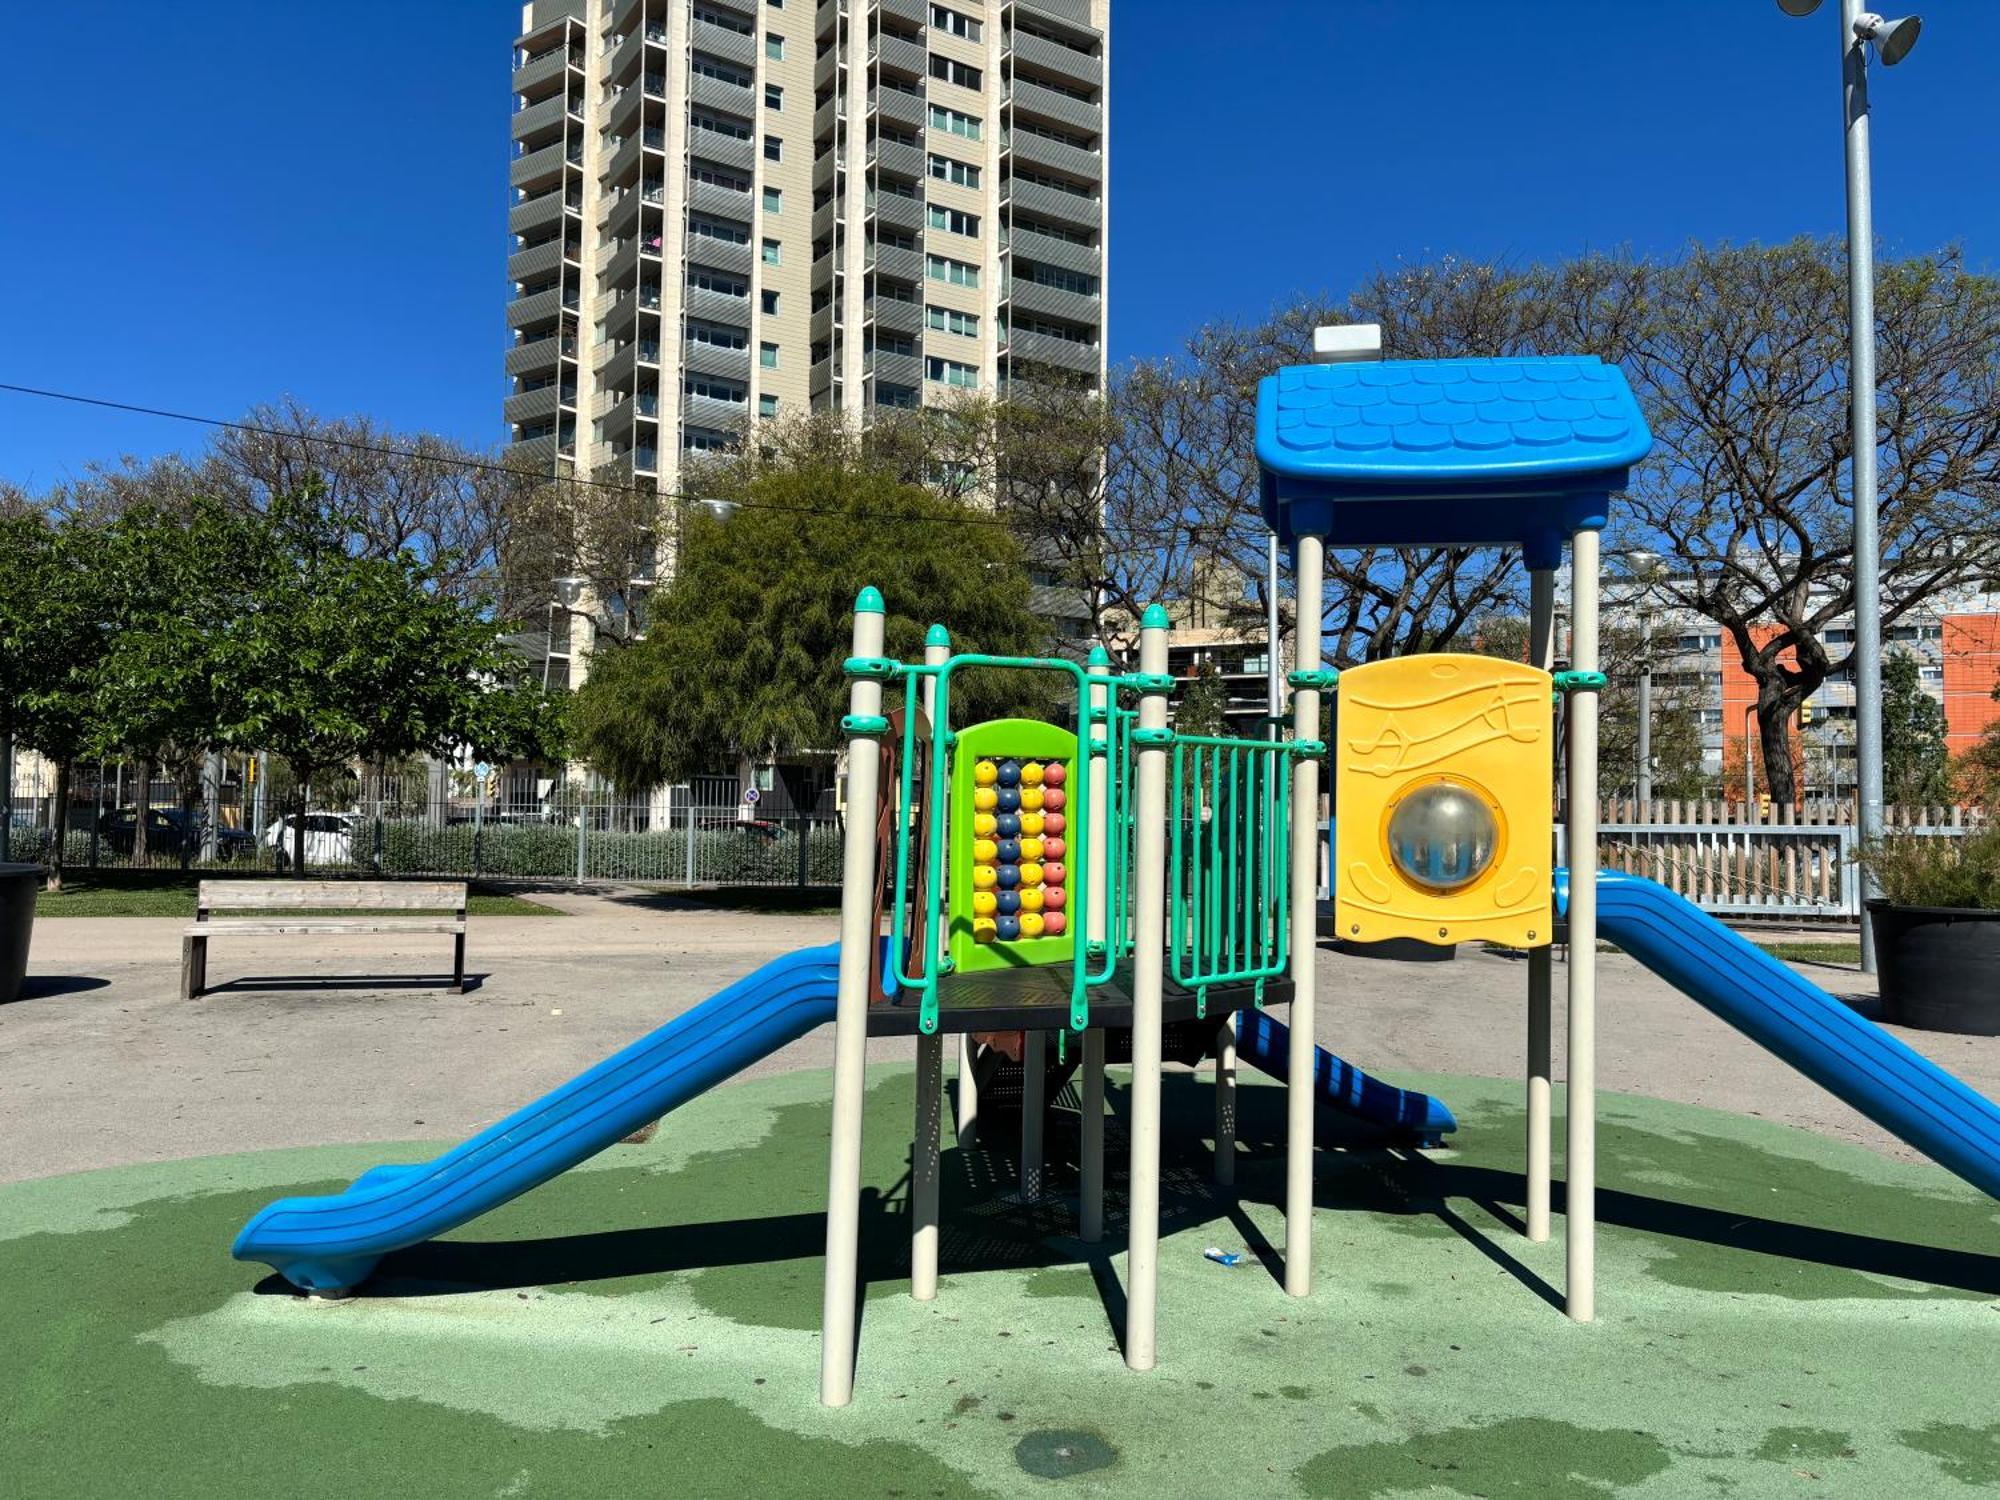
point(154, 893)
point(1814, 953)
point(813, 901)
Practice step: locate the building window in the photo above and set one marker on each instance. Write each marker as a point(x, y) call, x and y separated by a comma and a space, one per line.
point(951, 71)
point(774, 200)
point(718, 336)
point(948, 20)
point(708, 68)
point(774, 148)
point(771, 252)
point(955, 272)
point(944, 169)
point(774, 97)
point(951, 372)
point(767, 406)
point(956, 221)
point(717, 281)
point(950, 320)
point(774, 46)
point(767, 356)
point(715, 389)
point(771, 304)
point(954, 122)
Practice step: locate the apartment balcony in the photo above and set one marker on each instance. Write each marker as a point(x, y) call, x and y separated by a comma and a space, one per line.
point(549, 73)
point(717, 93)
point(896, 369)
point(716, 307)
point(1054, 302)
point(531, 218)
point(624, 58)
point(625, 113)
point(1046, 349)
point(827, 165)
point(712, 198)
point(718, 255)
point(1052, 203)
point(706, 411)
point(1050, 250)
point(1081, 69)
point(823, 219)
point(1033, 150)
point(540, 455)
point(748, 10)
point(820, 324)
point(894, 104)
point(898, 55)
point(539, 123)
point(539, 405)
point(828, 12)
point(542, 307)
point(913, 11)
point(538, 357)
point(893, 315)
point(897, 211)
point(823, 117)
point(624, 164)
point(895, 261)
point(723, 150)
point(824, 68)
point(541, 170)
point(710, 359)
point(620, 269)
point(730, 46)
point(1075, 12)
point(621, 321)
point(536, 263)
point(1056, 108)
point(896, 158)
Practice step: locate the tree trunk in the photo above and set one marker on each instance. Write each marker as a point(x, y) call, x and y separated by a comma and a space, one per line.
point(142, 802)
point(1776, 706)
point(303, 799)
point(60, 831)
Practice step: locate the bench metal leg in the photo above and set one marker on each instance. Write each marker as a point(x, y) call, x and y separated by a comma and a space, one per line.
point(458, 964)
point(194, 967)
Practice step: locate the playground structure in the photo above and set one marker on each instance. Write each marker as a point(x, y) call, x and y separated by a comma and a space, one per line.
point(1171, 878)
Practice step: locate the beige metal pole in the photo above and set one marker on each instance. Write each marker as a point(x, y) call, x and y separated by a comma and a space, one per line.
point(1149, 951)
point(924, 1163)
point(1308, 563)
point(1225, 1102)
point(1096, 925)
point(850, 1027)
point(1542, 652)
point(1580, 1163)
point(1034, 1105)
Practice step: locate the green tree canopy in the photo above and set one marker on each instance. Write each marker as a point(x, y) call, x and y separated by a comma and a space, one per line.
point(1916, 759)
point(744, 645)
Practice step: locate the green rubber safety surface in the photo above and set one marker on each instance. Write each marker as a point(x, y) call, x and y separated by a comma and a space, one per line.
point(1779, 1314)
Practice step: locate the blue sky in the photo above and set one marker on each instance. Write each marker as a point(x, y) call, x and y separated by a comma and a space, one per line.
point(215, 204)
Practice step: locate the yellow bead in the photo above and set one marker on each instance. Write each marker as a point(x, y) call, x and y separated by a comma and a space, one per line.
point(984, 825)
point(1031, 899)
point(986, 799)
point(1031, 773)
point(1031, 851)
point(985, 773)
point(1031, 799)
point(1031, 924)
point(1031, 875)
point(1031, 825)
point(984, 903)
point(985, 851)
point(985, 929)
point(983, 877)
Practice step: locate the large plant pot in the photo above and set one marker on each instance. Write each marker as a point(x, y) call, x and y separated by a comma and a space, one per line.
point(18, 884)
point(1938, 967)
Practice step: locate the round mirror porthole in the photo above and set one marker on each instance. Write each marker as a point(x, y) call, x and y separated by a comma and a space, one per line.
point(1442, 835)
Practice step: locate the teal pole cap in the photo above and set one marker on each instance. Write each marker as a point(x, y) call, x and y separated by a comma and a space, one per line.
point(1155, 618)
point(1098, 657)
point(937, 635)
point(868, 601)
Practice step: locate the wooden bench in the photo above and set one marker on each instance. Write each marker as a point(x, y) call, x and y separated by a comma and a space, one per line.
point(304, 897)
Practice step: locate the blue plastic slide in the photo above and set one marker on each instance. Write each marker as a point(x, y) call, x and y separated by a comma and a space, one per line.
point(328, 1245)
point(1850, 1057)
point(1266, 1042)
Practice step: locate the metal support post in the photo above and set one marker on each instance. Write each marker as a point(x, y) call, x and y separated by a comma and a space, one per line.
point(925, 1164)
point(1308, 563)
point(1149, 943)
point(1580, 1160)
point(1541, 982)
point(1097, 879)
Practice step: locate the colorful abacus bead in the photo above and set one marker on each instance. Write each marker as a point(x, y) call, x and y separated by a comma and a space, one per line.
point(1054, 924)
point(985, 851)
point(985, 799)
point(1008, 825)
point(1009, 799)
point(1032, 898)
point(1031, 824)
point(1031, 874)
point(984, 877)
point(984, 903)
point(1031, 851)
point(984, 825)
point(1010, 851)
point(1053, 822)
point(1031, 773)
point(1054, 799)
point(984, 929)
point(1007, 903)
point(1052, 873)
point(1009, 928)
point(1054, 898)
point(984, 773)
point(1031, 798)
point(1054, 774)
point(1054, 848)
point(1031, 924)
point(1009, 876)
point(1010, 773)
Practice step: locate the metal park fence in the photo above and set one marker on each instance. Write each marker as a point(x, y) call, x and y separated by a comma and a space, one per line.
point(526, 828)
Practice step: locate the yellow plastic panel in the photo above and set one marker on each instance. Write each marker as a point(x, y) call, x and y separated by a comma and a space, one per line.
point(1476, 724)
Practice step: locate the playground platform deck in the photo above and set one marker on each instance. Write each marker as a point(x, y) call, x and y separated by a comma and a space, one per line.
point(1037, 999)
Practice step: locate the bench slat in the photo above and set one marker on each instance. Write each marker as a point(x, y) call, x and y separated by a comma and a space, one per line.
point(328, 926)
point(362, 895)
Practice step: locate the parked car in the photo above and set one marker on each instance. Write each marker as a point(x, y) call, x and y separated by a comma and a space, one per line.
point(170, 831)
point(329, 839)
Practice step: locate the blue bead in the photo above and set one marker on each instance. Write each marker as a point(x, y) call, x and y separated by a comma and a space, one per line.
point(1010, 851)
point(1009, 928)
point(1008, 825)
point(1010, 773)
point(1010, 800)
point(1009, 902)
point(1009, 876)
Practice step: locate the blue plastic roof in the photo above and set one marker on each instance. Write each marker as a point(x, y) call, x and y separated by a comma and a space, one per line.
point(1519, 452)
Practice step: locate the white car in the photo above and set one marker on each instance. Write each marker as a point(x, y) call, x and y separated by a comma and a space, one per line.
point(329, 839)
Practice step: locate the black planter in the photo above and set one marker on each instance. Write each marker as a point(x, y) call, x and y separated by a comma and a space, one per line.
point(1939, 967)
point(18, 884)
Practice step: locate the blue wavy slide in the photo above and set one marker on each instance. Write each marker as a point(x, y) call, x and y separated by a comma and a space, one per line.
point(1846, 1054)
point(1266, 1042)
point(329, 1245)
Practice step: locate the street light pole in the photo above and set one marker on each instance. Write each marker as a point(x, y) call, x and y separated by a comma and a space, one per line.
point(1645, 714)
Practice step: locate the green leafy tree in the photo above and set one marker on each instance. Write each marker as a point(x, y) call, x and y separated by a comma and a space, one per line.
point(1203, 704)
point(744, 645)
point(1916, 759)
